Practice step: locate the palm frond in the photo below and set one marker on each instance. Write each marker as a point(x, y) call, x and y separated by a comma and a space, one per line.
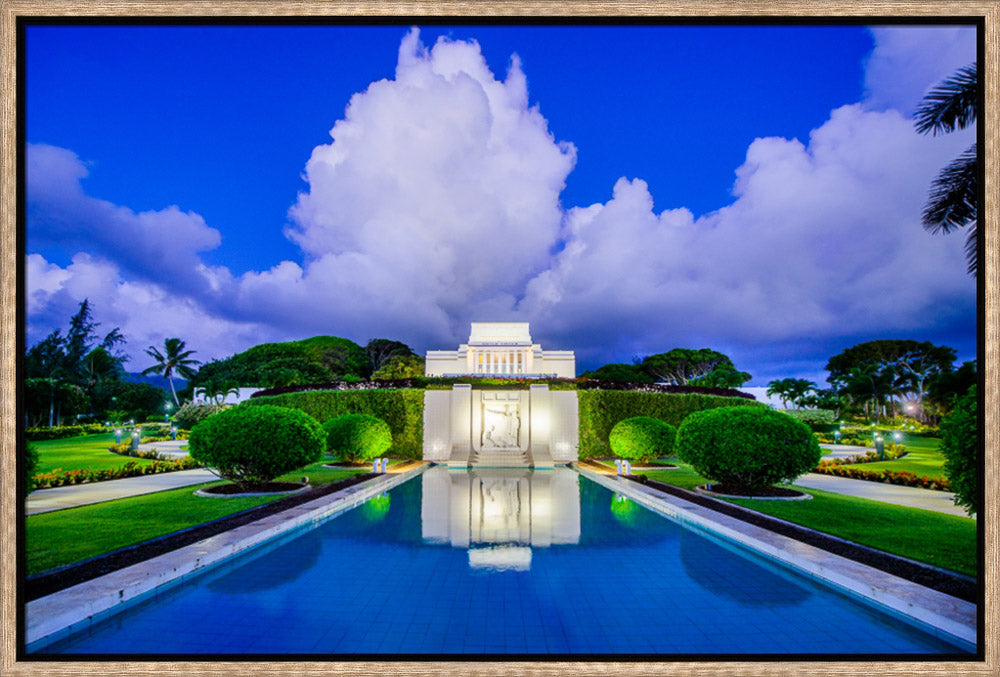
point(951, 105)
point(952, 202)
point(972, 248)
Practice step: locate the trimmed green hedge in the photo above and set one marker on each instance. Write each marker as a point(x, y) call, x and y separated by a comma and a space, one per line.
point(357, 437)
point(402, 409)
point(252, 445)
point(642, 438)
point(63, 431)
point(600, 410)
point(746, 448)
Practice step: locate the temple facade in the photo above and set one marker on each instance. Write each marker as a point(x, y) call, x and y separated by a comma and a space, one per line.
point(501, 349)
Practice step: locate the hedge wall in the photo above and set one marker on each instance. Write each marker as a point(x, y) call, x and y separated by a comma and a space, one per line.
point(600, 410)
point(402, 409)
point(60, 432)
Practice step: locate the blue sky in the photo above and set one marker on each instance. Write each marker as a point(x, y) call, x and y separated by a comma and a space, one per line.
point(626, 189)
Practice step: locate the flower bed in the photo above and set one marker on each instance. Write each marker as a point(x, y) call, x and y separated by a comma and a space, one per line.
point(61, 478)
point(867, 457)
point(901, 477)
point(125, 449)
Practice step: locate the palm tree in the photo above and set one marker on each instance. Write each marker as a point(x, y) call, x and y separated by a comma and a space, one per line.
point(217, 392)
point(953, 200)
point(781, 387)
point(799, 389)
point(173, 359)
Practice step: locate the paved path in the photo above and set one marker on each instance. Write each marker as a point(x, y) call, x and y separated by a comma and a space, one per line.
point(170, 448)
point(911, 497)
point(843, 450)
point(46, 500)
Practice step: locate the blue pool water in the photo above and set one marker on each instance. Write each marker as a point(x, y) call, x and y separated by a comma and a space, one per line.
point(500, 562)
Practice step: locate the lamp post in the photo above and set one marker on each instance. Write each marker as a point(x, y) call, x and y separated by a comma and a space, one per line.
point(166, 413)
point(880, 446)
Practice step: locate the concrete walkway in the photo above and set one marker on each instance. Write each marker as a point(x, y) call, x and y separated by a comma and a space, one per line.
point(843, 450)
point(911, 497)
point(58, 498)
point(169, 448)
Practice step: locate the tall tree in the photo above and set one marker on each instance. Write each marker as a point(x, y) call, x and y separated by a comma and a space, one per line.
point(173, 360)
point(46, 363)
point(953, 202)
point(905, 365)
point(380, 351)
point(72, 359)
point(680, 365)
point(724, 375)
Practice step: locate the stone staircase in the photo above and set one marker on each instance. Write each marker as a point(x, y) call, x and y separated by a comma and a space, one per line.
point(500, 458)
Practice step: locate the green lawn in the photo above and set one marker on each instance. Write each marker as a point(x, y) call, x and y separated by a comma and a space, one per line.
point(76, 453)
point(923, 457)
point(56, 538)
point(943, 540)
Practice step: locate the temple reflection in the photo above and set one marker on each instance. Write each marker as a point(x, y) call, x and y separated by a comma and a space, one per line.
point(499, 515)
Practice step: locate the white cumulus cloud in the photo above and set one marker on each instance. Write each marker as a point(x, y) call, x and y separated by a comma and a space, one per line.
point(440, 188)
point(908, 61)
point(437, 203)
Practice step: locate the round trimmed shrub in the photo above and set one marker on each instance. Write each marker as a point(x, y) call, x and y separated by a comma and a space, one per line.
point(357, 437)
point(642, 438)
point(253, 445)
point(746, 448)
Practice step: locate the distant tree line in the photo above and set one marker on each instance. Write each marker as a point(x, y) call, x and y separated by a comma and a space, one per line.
point(876, 379)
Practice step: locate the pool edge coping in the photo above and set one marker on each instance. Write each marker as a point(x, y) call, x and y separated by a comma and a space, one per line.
point(50, 617)
point(949, 616)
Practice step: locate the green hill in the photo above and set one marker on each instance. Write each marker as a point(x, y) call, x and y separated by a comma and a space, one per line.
point(314, 360)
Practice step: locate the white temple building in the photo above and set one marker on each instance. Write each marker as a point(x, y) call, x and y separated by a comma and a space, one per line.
point(501, 349)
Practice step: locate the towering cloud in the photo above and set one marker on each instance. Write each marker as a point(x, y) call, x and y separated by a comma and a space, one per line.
point(437, 203)
point(440, 188)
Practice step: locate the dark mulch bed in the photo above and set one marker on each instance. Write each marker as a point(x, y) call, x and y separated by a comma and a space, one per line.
point(765, 492)
point(956, 585)
point(267, 488)
point(47, 582)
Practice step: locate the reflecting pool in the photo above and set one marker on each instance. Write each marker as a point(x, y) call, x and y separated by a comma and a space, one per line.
point(500, 562)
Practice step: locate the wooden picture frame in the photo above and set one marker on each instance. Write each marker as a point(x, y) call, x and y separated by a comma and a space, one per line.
point(11, 210)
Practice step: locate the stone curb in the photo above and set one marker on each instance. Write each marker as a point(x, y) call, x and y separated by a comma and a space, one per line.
point(704, 490)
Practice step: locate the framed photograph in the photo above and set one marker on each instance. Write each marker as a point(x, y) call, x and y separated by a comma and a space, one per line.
point(530, 337)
